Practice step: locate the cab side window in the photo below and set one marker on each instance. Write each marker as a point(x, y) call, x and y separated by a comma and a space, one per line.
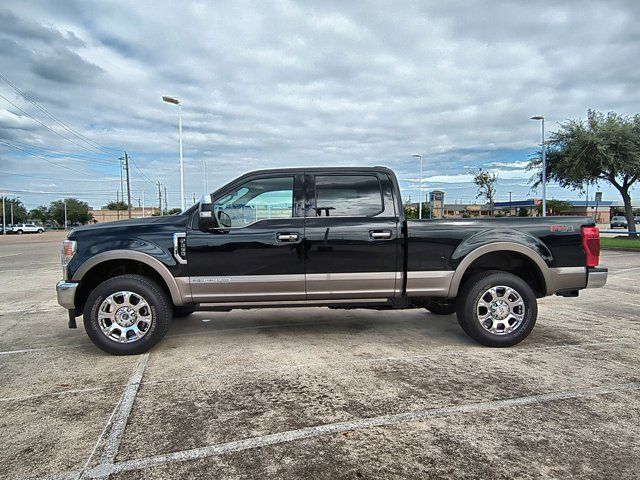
point(348, 196)
point(256, 200)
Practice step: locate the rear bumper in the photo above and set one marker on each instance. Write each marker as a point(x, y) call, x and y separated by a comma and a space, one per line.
point(597, 277)
point(66, 292)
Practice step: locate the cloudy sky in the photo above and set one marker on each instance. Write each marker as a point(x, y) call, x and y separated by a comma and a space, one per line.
point(270, 84)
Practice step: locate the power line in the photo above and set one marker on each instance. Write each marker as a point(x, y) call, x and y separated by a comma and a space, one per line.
point(140, 170)
point(22, 149)
point(53, 117)
point(58, 153)
point(45, 125)
point(61, 156)
point(56, 179)
point(47, 160)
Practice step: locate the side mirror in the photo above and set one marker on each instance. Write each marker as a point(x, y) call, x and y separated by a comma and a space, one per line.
point(224, 219)
point(206, 220)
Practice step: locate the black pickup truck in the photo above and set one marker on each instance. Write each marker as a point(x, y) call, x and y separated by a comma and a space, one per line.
point(334, 237)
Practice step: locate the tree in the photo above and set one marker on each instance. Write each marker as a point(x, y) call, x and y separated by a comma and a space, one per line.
point(555, 207)
point(77, 211)
point(523, 212)
point(173, 211)
point(602, 148)
point(116, 206)
point(486, 182)
point(40, 213)
point(410, 211)
point(19, 212)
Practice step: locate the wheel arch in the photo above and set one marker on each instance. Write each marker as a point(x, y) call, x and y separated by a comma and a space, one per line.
point(515, 258)
point(108, 264)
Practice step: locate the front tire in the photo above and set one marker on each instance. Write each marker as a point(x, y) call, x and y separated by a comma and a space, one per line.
point(497, 309)
point(20, 232)
point(127, 315)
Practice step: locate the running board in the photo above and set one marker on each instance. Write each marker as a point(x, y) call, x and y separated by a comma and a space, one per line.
point(345, 303)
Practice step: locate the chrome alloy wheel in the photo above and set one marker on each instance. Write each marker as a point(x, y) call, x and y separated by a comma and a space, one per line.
point(500, 310)
point(124, 317)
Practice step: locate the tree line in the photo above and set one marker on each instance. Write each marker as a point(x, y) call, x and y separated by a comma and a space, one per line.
point(77, 211)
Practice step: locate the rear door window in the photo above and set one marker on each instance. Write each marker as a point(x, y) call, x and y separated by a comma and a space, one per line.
point(348, 196)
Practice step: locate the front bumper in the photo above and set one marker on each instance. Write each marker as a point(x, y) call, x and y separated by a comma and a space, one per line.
point(597, 277)
point(66, 292)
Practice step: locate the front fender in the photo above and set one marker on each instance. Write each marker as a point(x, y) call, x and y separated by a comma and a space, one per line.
point(159, 259)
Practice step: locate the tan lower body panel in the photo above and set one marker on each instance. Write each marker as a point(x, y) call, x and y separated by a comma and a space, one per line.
point(429, 283)
point(352, 285)
point(315, 286)
point(250, 288)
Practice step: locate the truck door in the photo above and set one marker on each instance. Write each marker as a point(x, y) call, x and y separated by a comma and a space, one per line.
point(256, 253)
point(352, 232)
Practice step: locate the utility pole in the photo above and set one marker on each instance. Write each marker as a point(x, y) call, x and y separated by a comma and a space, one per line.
point(11, 206)
point(159, 198)
point(117, 202)
point(510, 209)
point(194, 198)
point(142, 203)
point(65, 214)
point(126, 166)
point(121, 180)
point(166, 208)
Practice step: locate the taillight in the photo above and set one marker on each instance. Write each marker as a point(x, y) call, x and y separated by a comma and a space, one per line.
point(591, 245)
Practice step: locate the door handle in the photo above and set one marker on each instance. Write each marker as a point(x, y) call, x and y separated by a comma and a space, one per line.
point(379, 234)
point(287, 237)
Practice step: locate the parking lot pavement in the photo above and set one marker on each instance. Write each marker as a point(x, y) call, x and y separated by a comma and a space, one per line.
point(318, 393)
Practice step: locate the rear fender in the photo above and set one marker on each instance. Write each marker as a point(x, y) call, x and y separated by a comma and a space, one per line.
point(500, 240)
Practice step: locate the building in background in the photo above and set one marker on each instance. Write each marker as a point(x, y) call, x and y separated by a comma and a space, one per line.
point(101, 215)
point(436, 204)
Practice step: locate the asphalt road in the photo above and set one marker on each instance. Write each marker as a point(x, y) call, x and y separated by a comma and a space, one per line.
point(316, 393)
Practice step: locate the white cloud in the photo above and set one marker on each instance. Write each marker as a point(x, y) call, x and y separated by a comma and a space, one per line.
point(297, 83)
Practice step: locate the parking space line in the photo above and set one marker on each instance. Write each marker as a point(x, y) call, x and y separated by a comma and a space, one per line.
point(333, 428)
point(118, 418)
point(50, 394)
point(122, 417)
point(41, 349)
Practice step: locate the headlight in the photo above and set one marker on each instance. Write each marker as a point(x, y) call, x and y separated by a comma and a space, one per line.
point(68, 251)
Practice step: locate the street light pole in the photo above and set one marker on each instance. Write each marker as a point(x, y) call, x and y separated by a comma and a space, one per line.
point(65, 214)
point(177, 102)
point(419, 187)
point(206, 179)
point(4, 223)
point(544, 168)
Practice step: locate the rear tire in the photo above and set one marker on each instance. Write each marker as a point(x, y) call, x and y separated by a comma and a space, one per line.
point(497, 309)
point(20, 232)
point(127, 315)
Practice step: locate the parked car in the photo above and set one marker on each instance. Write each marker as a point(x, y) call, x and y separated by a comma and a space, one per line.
point(21, 228)
point(334, 237)
point(619, 222)
point(637, 220)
